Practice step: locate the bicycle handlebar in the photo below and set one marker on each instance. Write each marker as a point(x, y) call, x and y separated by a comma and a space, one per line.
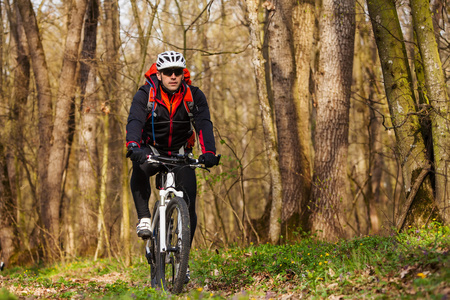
point(178, 160)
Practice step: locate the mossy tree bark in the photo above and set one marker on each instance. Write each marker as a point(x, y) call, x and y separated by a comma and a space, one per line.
point(399, 92)
point(437, 98)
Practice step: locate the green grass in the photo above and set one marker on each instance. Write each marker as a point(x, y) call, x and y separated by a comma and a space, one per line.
point(411, 265)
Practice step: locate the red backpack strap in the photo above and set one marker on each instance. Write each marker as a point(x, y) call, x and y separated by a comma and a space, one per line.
point(151, 101)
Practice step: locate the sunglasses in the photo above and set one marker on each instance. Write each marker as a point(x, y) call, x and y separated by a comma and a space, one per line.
point(169, 72)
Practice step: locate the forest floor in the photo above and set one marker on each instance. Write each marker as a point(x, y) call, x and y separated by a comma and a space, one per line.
point(411, 265)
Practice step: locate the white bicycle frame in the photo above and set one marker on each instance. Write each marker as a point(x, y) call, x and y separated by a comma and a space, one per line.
point(164, 194)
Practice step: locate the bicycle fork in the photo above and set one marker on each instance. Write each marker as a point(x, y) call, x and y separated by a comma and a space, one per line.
point(165, 196)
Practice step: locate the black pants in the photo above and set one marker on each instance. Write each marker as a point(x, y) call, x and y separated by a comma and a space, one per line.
point(140, 188)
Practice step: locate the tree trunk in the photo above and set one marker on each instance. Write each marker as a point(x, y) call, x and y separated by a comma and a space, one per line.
point(101, 226)
point(398, 87)
point(329, 190)
point(126, 228)
point(1, 54)
point(60, 134)
point(44, 96)
point(88, 170)
point(268, 123)
point(304, 28)
point(21, 72)
point(7, 236)
point(115, 137)
point(436, 91)
point(439, 25)
point(284, 81)
point(14, 150)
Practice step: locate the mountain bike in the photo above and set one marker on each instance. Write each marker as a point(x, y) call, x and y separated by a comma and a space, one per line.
point(167, 251)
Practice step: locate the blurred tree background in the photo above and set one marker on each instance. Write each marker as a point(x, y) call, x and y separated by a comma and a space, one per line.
point(331, 118)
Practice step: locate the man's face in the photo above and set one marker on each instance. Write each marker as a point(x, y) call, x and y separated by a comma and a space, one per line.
point(171, 78)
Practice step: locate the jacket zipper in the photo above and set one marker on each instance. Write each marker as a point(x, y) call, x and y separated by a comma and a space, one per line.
point(171, 121)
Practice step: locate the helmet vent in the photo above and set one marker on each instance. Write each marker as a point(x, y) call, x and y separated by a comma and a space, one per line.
point(170, 59)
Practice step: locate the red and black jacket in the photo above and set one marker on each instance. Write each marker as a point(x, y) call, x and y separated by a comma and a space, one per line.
point(171, 123)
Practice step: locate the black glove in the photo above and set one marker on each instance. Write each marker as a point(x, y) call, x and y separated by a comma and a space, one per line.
point(209, 160)
point(136, 154)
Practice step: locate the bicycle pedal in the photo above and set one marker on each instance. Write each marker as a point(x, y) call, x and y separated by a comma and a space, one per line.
point(144, 234)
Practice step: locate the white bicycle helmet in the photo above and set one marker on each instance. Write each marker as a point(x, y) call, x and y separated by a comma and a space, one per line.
point(170, 59)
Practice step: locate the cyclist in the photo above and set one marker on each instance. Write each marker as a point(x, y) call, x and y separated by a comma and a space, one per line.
point(167, 130)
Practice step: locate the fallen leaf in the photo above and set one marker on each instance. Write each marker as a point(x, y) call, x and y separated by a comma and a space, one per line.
point(405, 272)
point(333, 285)
point(333, 297)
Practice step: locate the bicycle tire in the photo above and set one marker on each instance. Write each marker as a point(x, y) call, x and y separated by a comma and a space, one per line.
point(171, 266)
point(151, 257)
point(178, 239)
point(155, 277)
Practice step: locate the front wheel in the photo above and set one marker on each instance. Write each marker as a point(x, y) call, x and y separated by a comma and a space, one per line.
point(154, 248)
point(172, 265)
